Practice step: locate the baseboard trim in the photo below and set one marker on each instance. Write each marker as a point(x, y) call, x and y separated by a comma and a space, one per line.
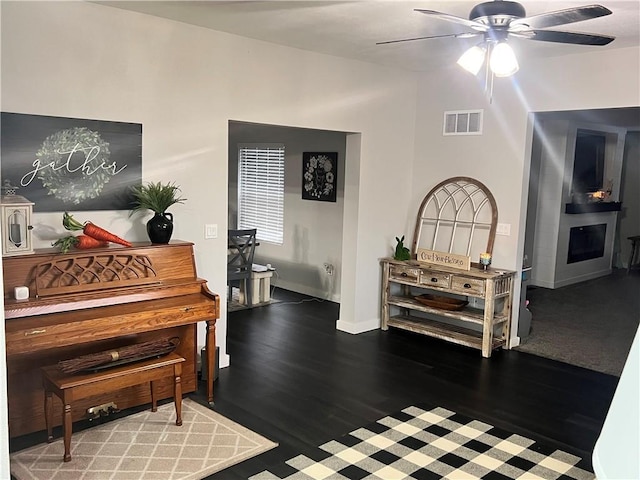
point(570, 281)
point(583, 278)
point(306, 290)
point(359, 327)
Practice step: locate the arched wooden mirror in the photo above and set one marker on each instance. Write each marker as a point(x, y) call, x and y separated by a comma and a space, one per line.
point(459, 215)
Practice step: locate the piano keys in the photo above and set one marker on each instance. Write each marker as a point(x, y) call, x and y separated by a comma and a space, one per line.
point(88, 301)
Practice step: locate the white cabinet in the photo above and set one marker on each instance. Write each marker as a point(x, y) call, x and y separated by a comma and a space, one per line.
point(483, 323)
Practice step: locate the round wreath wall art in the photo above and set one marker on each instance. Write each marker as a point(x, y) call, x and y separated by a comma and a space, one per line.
point(319, 177)
point(67, 178)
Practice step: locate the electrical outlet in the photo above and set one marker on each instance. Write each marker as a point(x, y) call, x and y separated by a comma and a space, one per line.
point(102, 410)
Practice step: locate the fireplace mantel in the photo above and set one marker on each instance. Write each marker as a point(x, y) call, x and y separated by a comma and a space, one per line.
point(593, 207)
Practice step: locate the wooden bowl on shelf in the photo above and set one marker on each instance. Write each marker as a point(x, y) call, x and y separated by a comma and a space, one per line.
point(441, 302)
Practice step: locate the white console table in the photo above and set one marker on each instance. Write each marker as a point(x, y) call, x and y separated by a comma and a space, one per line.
point(470, 307)
point(402, 281)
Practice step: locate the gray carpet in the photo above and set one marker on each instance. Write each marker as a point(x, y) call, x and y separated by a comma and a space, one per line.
point(590, 324)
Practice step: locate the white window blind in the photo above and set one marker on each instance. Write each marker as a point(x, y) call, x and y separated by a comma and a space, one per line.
point(261, 190)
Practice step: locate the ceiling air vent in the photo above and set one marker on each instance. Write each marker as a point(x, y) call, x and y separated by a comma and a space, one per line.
point(463, 122)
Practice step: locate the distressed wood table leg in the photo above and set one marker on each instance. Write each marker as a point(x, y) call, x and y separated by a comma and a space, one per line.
point(384, 314)
point(487, 324)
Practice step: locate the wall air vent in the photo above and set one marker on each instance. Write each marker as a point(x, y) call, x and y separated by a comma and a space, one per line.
point(463, 122)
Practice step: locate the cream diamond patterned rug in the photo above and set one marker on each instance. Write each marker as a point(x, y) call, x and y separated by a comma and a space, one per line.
point(145, 446)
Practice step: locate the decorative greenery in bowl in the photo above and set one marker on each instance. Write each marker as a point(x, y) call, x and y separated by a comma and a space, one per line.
point(156, 197)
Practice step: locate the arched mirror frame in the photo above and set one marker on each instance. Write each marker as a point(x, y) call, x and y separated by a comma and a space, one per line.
point(474, 195)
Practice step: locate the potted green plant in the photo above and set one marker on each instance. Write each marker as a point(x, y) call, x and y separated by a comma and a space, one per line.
point(401, 252)
point(157, 197)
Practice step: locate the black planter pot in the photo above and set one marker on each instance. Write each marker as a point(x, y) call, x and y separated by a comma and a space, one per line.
point(160, 228)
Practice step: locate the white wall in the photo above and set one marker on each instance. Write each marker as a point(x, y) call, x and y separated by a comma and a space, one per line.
point(184, 83)
point(312, 230)
point(615, 454)
point(4, 413)
point(567, 274)
point(500, 158)
point(553, 139)
point(629, 224)
point(495, 158)
point(552, 227)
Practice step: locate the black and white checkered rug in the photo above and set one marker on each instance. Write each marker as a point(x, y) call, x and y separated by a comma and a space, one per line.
point(430, 444)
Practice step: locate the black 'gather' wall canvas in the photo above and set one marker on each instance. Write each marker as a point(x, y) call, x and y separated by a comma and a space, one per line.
point(71, 164)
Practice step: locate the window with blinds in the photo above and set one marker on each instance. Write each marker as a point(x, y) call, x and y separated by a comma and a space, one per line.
point(261, 190)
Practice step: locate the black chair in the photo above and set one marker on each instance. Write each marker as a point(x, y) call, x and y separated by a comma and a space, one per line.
point(242, 247)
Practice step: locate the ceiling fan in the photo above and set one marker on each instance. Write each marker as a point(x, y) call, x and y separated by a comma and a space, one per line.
point(497, 20)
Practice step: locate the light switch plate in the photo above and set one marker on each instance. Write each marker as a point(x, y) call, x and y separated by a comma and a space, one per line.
point(211, 230)
point(503, 229)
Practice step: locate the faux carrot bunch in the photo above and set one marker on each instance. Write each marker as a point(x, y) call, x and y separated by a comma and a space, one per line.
point(92, 230)
point(81, 242)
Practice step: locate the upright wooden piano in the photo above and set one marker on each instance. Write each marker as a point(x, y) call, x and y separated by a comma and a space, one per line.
point(84, 302)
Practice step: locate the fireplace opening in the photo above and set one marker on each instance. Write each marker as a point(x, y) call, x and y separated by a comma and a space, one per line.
point(586, 242)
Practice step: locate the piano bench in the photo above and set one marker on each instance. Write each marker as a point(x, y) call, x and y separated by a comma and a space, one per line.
point(70, 387)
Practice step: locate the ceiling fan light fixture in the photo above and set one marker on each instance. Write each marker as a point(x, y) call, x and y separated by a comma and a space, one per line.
point(472, 59)
point(503, 61)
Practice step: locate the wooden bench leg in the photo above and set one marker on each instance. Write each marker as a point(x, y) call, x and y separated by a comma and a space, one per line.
point(67, 427)
point(48, 414)
point(177, 392)
point(71, 388)
point(154, 398)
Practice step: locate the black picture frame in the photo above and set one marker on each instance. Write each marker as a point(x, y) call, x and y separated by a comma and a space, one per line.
point(319, 176)
point(71, 164)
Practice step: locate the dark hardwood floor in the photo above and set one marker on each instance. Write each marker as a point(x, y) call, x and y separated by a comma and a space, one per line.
point(298, 381)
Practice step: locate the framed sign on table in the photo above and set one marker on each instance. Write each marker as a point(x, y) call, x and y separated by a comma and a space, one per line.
point(319, 176)
point(73, 164)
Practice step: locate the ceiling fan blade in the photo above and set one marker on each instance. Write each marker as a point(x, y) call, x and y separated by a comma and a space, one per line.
point(565, 37)
point(452, 18)
point(561, 17)
point(450, 35)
